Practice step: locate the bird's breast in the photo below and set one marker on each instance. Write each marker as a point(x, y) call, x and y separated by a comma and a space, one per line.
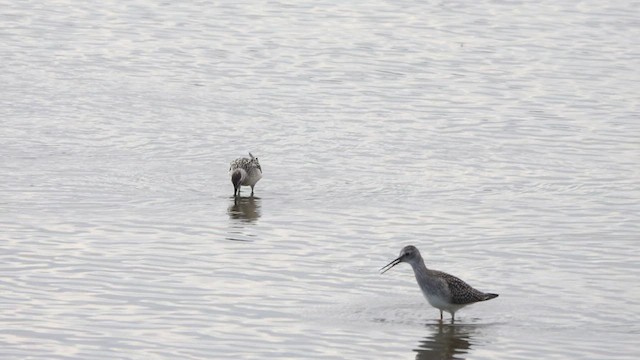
point(252, 177)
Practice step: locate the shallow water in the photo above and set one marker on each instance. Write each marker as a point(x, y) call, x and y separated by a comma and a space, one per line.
point(500, 138)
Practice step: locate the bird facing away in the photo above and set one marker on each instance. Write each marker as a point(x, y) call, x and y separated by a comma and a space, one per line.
point(443, 291)
point(244, 172)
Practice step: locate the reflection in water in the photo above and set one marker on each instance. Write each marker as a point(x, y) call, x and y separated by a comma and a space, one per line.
point(448, 341)
point(245, 208)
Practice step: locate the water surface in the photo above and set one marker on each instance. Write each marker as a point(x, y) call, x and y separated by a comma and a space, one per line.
point(500, 138)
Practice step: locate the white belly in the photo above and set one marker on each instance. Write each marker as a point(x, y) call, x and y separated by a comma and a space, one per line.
point(442, 304)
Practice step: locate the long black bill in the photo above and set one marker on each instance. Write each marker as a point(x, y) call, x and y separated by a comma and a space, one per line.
point(386, 268)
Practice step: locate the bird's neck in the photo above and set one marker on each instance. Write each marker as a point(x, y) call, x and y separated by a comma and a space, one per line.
point(419, 268)
point(423, 275)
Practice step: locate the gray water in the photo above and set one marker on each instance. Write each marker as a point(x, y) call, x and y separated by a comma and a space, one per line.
point(502, 138)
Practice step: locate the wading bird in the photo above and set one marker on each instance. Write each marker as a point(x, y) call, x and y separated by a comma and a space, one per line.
point(443, 291)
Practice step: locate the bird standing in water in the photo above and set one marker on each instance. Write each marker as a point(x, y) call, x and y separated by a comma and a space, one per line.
point(244, 172)
point(443, 291)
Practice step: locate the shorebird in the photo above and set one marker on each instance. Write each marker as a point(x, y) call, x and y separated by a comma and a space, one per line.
point(443, 291)
point(244, 172)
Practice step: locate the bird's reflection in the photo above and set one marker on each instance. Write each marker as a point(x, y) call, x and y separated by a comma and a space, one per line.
point(448, 341)
point(244, 208)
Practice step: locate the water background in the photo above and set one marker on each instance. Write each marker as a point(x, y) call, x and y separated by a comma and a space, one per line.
point(502, 138)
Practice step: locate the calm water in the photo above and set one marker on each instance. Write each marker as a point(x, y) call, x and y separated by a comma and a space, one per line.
point(501, 138)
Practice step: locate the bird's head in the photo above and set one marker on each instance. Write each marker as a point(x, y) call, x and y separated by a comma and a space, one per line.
point(408, 254)
point(254, 161)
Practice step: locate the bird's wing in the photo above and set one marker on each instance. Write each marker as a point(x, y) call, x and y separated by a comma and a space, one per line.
point(238, 163)
point(461, 292)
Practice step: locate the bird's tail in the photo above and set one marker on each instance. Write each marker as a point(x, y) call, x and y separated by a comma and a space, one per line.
point(489, 296)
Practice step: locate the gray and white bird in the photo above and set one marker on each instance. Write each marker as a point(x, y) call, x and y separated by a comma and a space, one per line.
point(244, 172)
point(443, 291)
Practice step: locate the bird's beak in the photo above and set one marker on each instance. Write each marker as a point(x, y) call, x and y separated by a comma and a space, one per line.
point(386, 268)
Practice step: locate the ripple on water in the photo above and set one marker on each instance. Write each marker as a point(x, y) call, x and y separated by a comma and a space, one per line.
point(506, 150)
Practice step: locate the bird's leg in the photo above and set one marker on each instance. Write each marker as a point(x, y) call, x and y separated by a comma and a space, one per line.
point(251, 190)
point(440, 315)
point(453, 317)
